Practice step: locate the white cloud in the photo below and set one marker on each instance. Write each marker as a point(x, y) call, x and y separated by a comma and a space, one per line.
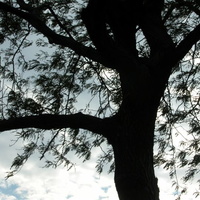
point(7, 197)
point(61, 184)
point(80, 183)
point(34, 182)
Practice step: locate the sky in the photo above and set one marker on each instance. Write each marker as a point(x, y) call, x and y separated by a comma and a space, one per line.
point(82, 182)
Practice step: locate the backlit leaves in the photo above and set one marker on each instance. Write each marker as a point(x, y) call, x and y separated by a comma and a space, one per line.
point(38, 77)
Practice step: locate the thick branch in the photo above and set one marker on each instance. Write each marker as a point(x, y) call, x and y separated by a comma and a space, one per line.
point(54, 37)
point(186, 44)
point(153, 27)
point(119, 48)
point(171, 58)
point(93, 17)
point(48, 121)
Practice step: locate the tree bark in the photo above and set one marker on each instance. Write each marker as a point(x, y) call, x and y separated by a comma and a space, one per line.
point(133, 139)
point(133, 151)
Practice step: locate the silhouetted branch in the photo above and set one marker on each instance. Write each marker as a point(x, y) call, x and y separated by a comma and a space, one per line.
point(48, 121)
point(187, 43)
point(53, 37)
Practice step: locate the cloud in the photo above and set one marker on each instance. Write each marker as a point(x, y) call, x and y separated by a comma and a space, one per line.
point(35, 182)
point(59, 184)
point(80, 183)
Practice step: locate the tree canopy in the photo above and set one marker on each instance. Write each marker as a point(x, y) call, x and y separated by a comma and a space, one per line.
point(63, 85)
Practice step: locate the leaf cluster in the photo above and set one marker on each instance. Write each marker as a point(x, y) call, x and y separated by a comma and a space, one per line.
point(178, 122)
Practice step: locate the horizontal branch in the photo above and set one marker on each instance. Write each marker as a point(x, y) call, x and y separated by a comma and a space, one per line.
point(48, 121)
point(53, 37)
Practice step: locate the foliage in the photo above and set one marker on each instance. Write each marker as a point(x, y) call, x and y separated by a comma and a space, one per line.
point(53, 80)
point(41, 77)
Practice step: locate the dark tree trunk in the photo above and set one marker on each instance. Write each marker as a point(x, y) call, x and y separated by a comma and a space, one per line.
point(134, 139)
point(143, 82)
point(133, 151)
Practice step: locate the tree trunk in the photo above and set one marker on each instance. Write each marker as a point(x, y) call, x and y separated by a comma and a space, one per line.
point(133, 151)
point(142, 84)
point(134, 140)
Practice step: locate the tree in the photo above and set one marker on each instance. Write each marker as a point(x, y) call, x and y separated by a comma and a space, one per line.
point(139, 59)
